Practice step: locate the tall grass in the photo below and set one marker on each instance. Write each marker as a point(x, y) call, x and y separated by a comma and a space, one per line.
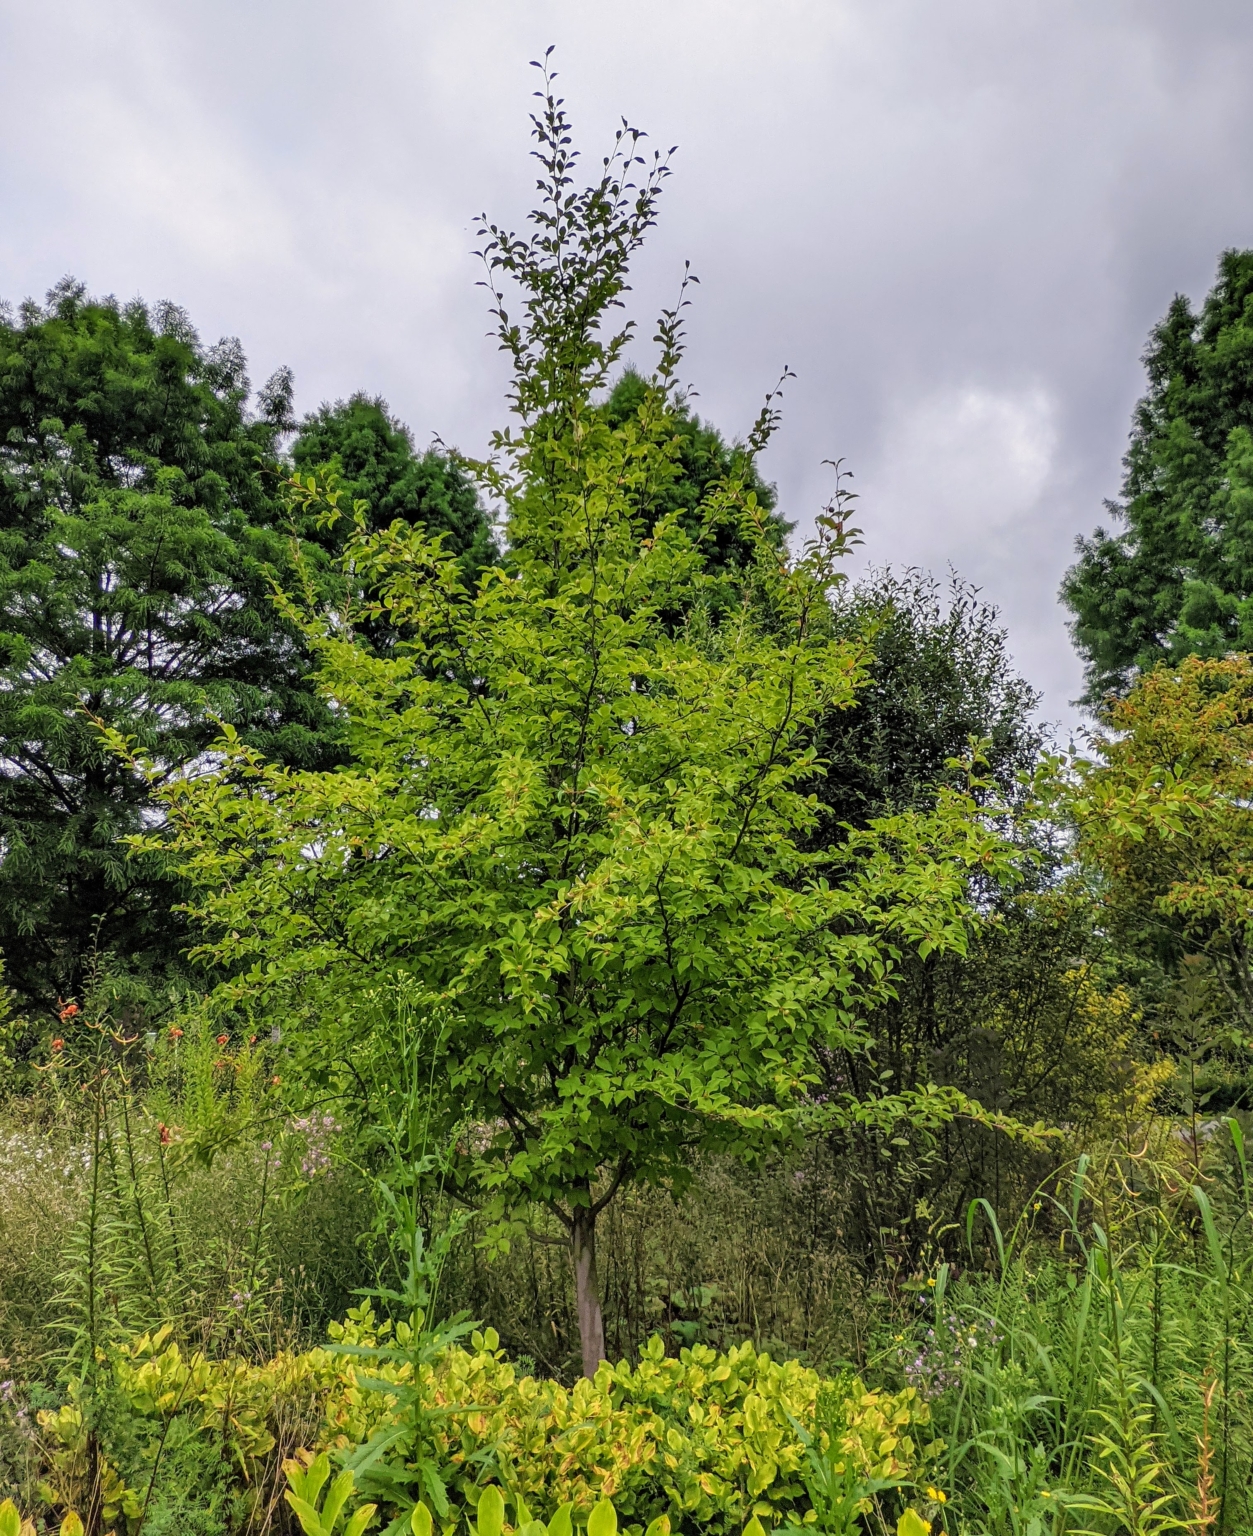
point(1099, 1379)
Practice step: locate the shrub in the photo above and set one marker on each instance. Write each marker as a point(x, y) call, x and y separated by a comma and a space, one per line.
point(709, 1440)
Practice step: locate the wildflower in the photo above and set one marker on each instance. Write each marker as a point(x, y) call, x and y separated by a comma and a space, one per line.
point(222, 1039)
point(252, 1039)
point(937, 1495)
point(1036, 1206)
point(266, 1145)
point(68, 1011)
point(175, 1032)
point(164, 1134)
point(931, 1281)
point(276, 1081)
point(58, 1045)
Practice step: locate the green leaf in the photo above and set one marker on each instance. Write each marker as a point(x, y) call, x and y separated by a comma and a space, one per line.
point(338, 1495)
point(490, 1518)
point(911, 1523)
point(360, 1520)
point(308, 1484)
point(10, 1519)
point(310, 1520)
point(420, 1520)
point(603, 1520)
point(562, 1523)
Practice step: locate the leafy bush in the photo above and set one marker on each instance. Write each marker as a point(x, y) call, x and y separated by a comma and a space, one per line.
point(709, 1440)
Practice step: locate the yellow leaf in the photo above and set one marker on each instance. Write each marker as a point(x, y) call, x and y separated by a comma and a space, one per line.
point(911, 1523)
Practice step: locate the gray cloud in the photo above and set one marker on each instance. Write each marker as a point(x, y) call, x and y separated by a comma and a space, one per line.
point(956, 223)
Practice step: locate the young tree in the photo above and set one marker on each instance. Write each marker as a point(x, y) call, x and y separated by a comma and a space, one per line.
point(571, 823)
point(1178, 579)
point(1162, 811)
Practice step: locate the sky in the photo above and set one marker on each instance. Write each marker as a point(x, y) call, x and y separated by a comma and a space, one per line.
point(955, 223)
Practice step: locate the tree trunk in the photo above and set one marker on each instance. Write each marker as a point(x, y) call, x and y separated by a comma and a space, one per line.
point(587, 1288)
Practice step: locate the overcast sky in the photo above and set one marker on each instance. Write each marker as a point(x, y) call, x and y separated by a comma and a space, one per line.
point(956, 221)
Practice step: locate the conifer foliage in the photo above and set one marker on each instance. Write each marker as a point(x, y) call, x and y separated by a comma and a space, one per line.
point(133, 528)
point(1177, 579)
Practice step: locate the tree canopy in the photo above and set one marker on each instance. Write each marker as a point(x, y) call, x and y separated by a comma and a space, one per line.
point(135, 522)
point(939, 676)
point(374, 456)
point(1177, 579)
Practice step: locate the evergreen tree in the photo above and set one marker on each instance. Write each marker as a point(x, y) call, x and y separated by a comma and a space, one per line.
point(136, 524)
point(373, 454)
point(704, 460)
point(1177, 579)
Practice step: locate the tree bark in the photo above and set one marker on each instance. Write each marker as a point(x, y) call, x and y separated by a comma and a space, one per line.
point(587, 1287)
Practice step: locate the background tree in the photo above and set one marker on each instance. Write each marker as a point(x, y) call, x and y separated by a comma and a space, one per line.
point(373, 454)
point(1162, 811)
point(135, 522)
point(940, 676)
point(1178, 579)
point(704, 460)
point(571, 825)
point(139, 525)
point(1009, 1022)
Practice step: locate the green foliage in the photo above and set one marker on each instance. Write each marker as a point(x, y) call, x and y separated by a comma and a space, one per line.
point(1162, 816)
point(374, 456)
point(704, 1442)
point(1028, 1022)
point(305, 1487)
point(703, 461)
point(1178, 580)
point(939, 677)
point(575, 829)
point(136, 523)
point(1107, 1377)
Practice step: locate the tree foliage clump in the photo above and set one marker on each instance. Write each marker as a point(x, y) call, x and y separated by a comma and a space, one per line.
point(374, 456)
point(939, 677)
point(141, 529)
point(134, 528)
point(1162, 812)
point(1178, 579)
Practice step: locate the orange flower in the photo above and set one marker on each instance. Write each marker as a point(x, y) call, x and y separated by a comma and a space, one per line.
point(175, 1032)
point(68, 1010)
point(58, 1045)
point(276, 1081)
point(222, 1039)
point(164, 1131)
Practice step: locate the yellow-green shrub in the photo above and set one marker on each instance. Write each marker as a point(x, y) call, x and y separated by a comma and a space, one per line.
point(708, 1439)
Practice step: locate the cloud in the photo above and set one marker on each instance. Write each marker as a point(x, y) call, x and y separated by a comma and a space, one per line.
point(963, 472)
point(956, 223)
